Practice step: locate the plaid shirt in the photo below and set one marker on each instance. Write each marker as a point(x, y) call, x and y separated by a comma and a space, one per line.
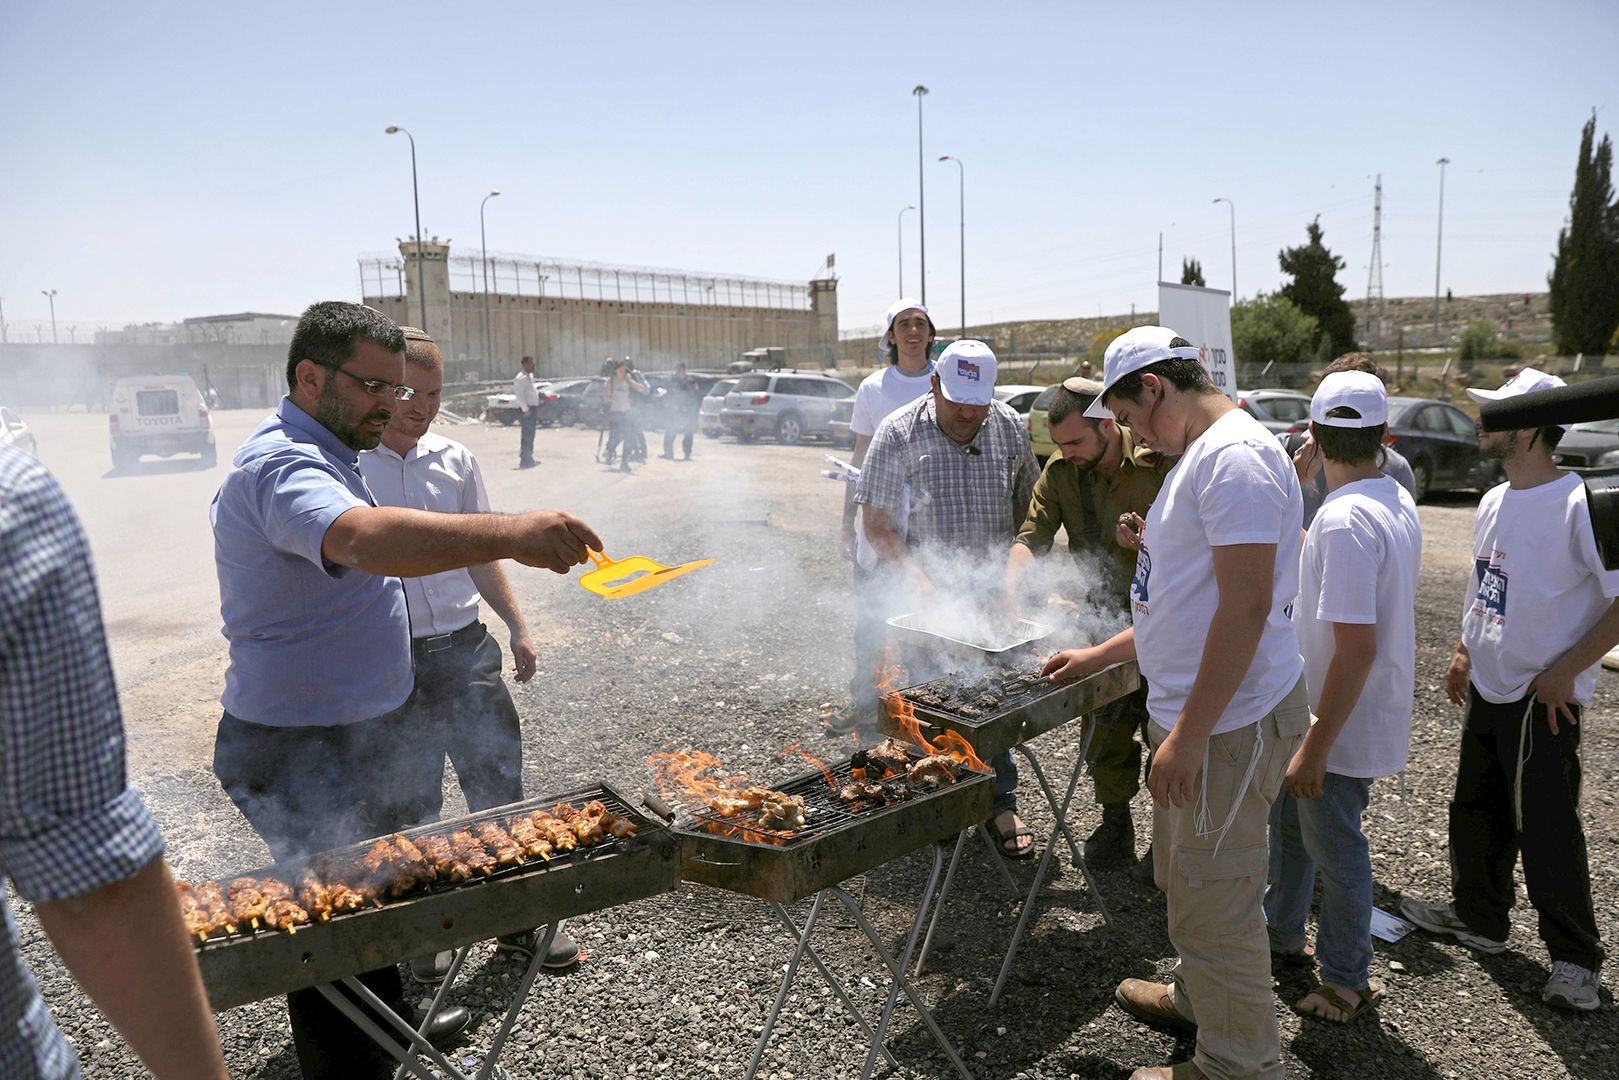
point(971, 496)
point(69, 821)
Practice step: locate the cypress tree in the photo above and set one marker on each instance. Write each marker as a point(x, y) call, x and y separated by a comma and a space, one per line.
point(1316, 291)
point(1585, 270)
point(1192, 272)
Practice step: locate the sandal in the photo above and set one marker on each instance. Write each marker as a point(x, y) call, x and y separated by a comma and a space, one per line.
point(1006, 843)
point(1370, 995)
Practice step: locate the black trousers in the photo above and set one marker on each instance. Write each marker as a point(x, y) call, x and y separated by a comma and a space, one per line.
point(529, 421)
point(462, 709)
point(1485, 840)
point(306, 790)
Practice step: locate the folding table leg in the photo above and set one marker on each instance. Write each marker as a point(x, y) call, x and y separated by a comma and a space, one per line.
point(786, 984)
point(897, 973)
point(999, 861)
point(831, 980)
point(541, 950)
point(457, 958)
point(1051, 796)
point(409, 1058)
point(938, 904)
point(905, 962)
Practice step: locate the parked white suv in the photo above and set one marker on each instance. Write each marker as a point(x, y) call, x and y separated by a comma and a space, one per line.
point(159, 414)
point(787, 404)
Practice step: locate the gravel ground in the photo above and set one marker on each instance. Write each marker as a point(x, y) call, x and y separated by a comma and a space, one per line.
point(737, 660)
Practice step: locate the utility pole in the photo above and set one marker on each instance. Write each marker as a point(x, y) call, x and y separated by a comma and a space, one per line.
point(483, 245)
point(963, 204)
point(416, 201)
point(50, 294)
point(2, 320)
point(899, 229)
point(1439, 245)
point(1231, 206)
point(921, 193)
point(1374, 274)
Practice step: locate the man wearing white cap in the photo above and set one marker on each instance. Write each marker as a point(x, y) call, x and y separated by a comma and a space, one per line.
point(1357, 627)
point(961, 462)
point(907, 341)
point(1215, 580)
point(1539, 614)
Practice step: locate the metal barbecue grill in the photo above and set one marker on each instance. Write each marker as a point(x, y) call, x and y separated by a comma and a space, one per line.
point(836, 843)
point(252, 965)
point(1027, 708)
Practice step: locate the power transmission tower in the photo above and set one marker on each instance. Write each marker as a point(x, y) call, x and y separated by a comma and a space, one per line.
point(1374, 275)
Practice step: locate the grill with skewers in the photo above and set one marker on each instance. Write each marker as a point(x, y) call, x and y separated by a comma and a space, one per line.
point(1003, 707)
point(451, 883)
point(853, 819)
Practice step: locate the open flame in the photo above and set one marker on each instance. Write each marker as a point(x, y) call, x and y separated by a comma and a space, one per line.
point(732, 804)
point(798, 748)
point(948, 742)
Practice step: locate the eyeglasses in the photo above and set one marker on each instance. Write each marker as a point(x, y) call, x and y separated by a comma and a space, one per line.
point(376, 387)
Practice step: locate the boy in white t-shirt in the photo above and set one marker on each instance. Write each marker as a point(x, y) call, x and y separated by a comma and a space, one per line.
point(907, 341)
point(1356, 622)
point(1539, 614)
point(1216, 574)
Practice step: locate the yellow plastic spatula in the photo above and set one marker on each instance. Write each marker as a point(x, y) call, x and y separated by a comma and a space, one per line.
point(615, 578)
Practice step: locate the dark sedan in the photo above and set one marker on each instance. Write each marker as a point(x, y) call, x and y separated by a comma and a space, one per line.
point(1441, 443)
point(1590, 449)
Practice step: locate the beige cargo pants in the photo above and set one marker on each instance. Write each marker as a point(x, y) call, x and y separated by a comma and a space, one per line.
point(1215, 884)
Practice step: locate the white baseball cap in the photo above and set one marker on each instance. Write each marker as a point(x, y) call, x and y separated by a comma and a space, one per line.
point(1526, 381)
point(1358, 390)
point(904, 303)
point(966, 371)
point(1131, 351)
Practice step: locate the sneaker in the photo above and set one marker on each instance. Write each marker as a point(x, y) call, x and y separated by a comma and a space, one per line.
point(564, 950)
point(1441, 918)
point(1572, 987)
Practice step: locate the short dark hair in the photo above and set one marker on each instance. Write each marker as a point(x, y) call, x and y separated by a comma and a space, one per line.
point(1358, 361)
point(892, 351)
point(1550, 436)
point(1064, 403)
point(526, 360)
point(329, 331)
point(1349, 445)
point(1188, 376)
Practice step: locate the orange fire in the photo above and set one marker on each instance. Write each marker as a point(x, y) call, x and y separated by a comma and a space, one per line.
point(697, 778)
point(798, 748)
point(948, 743)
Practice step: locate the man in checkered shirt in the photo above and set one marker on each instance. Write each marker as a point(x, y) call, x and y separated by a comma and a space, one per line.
point(949, 478)
point(74, 838)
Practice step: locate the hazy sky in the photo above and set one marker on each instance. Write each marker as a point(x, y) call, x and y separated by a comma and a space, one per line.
point(164, 160)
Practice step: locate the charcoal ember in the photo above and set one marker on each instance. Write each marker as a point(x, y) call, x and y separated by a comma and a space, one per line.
point(895, 790)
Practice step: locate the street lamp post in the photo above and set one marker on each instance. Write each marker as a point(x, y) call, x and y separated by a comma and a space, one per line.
point(1439, 244)
point(1231, 206)
point(921, 194)
point(50, 294)
point(416, 200)
point(483, 249)
point(899, 228)
point(962, 203)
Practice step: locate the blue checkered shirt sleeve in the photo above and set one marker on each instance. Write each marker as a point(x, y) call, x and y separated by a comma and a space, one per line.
point(883, 472)
point(69, 821)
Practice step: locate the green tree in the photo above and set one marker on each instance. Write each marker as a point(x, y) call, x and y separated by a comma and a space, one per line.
point(1192, 272)
point(1482, 341)
point(1271, 327)
point(1316, 291)
point(1585, 271)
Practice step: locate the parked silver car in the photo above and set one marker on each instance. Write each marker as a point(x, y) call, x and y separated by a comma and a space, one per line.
point(708, 410)
point(788, 404)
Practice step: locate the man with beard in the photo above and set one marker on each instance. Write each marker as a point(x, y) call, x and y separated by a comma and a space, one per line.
point(1099, 478)
point(1525, 668)
point(965, 461)
point(313, 746)
point(460, 705)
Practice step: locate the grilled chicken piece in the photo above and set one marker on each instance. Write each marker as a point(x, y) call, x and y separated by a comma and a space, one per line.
point(555, 831)
point(391, 871)
point(524, 832)
point(204, 909)
point(441, 857)
point(499, 843)
point(933, 771)
point(469, 851)
point(780, 811)
point(247, 903)
point(887, 756)
point(860, 791)
point(283, 911)
point(619, 826)
point(315, 897)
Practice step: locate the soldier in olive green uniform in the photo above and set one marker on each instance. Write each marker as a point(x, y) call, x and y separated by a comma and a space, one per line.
point(1098, 481)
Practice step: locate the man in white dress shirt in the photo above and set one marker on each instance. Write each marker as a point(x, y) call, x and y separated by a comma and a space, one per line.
point(460, 703)
point(527, 393)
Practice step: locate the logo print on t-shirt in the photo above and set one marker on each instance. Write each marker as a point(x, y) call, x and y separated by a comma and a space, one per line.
point(1490, 599)
point(1138, 584)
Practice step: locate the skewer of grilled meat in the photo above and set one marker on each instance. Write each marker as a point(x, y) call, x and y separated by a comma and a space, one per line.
point(283, 911)
point(205, 910)
point(441, 856)
point(555, 831)
point(499, 844)
point(315, 897)
point(587, 824)
point(469, 851)
point(524, 832)
point(247, 903)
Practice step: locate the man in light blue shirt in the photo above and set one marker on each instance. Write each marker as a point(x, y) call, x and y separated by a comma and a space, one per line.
point(313, 743)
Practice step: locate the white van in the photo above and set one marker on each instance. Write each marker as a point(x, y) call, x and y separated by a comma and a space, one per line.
point(159, 414)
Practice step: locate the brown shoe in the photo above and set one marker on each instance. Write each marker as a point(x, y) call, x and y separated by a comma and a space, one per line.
point(1181, 1070)
point(1150, 1002)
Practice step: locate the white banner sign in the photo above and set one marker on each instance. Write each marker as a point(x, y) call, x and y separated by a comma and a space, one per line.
point(1203, 317)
